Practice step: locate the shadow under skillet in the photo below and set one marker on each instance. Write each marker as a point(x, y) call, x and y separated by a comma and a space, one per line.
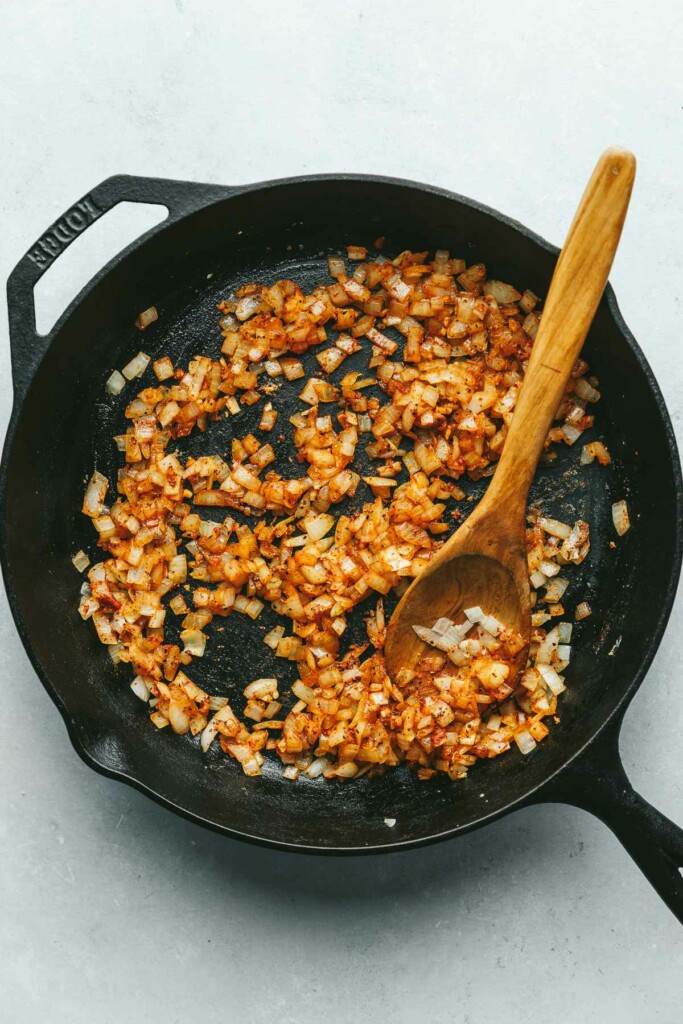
point(449, 871)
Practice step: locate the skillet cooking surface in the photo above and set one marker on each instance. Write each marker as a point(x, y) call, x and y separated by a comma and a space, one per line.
point(65, 430)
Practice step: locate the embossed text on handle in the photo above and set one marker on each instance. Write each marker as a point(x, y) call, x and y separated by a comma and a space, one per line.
point(64, 231)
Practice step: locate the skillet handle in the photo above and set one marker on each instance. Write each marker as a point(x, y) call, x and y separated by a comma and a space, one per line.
point(27, 345)
point(596, 781)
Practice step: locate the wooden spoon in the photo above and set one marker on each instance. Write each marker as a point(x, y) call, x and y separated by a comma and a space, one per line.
point(484, 562)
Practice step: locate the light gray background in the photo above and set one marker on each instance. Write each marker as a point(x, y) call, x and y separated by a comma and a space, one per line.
point(113, 910)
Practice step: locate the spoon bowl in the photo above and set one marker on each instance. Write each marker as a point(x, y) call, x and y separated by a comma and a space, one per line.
point(464, 582)
point(483, 563)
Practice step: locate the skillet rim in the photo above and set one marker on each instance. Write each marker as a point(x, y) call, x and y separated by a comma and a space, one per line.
point(204, 196)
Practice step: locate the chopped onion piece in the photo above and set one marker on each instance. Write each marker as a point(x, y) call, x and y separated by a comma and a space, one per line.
point(571, 433)
point(303, 692)
point(262, 689)
point(427, 635)
point(503, 293)
point(317, 526)
point(491, 625)
point(554, 527)
point(553, 680)
point(555, 590)
point(292, 368)
point(116, 383)
point(254, 608)
point(247, 307)
point(336, 266)
point(268, 417)
point(547, 648)
point(595, 450)
point(316, 768)
point(139, 688)
point(194, 642)
point(456, 634)
point(442, 626)
point(147, 317)
point(620, 517)
point(525, 741)
point(538, 579)
point(114, 651)
point(330, 359)
point(564, 632)
point(96, 492)
point(81, 561)
point(528, 301)
point(137, 366)
point(224, 714)
point(585, 391)
point(163, 368)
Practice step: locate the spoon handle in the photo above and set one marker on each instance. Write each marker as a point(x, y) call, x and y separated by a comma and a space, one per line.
point(575, 291)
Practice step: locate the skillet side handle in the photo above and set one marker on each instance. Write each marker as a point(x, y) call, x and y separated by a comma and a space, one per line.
point(27, 345)
point(596, 781)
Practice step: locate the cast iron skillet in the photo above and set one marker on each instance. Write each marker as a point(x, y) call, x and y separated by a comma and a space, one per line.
point(62, 424)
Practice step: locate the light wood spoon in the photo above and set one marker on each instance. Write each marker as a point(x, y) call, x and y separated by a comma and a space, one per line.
point(484, 562)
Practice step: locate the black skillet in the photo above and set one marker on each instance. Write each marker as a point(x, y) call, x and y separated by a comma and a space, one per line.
point(62, 424)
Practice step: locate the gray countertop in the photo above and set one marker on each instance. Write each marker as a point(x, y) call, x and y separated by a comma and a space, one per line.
point(113, 910)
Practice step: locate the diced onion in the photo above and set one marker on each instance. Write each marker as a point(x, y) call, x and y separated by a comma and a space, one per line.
point(247, 307)
point(163, 368)
point(547, 648)
point(93, 502)
point(564, 632)
point(114, 652)
point(538, 579)
point(355, 252)
point(139, 688)
point(503, 293)
point(262, 689)
point(444, 349)
point(137, 366)
point(525, 741)
point(81, 561)
point(556, 589)
point(552, 678)
point(147, 317)
point(571, 433)
point(620, 517)
point(303, 692)
point(555, 528)
point(585, 391)
point(116, 383)
point(316, 768)
point(194, 642)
